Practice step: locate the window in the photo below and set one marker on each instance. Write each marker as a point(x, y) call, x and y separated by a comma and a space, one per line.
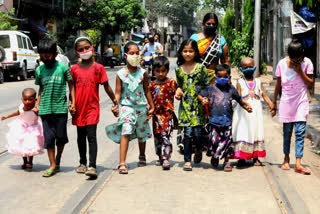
point(19, 41)
point(5, 41)
point(30, 44)
point(24, 43)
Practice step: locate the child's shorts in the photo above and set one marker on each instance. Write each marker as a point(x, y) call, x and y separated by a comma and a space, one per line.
point(54, 130)
point(132, 121)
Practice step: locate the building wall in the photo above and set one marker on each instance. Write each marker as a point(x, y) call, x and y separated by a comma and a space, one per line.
point(5, 4)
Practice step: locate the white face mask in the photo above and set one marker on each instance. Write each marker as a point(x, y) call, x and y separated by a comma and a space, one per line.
point(86, 54)
point(133, 60)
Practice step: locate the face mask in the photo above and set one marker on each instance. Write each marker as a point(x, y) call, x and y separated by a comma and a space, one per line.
point(151, 40)
point(133, 60)
point(248, 72)
point(210, 30)
point(86, 54)
point(49, 62)
point(222, 81)
point(29, 105)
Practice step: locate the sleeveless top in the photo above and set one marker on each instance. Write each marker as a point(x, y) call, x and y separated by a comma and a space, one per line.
point(253, 92)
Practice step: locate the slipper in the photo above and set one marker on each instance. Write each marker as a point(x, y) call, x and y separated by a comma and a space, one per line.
point(48, 173)
point(158, 162)
point(214, 162)
point(166, 165)
point(197, 157)
point(91, 172)
point(24, 166)
point(123, 170)
point(284, 167)
point(257, 162)
point(302, 170)
point(187, 167)
point(57, 168)
point(227, 167)
point(81, 169)
point(29, 166)
point(142, 161)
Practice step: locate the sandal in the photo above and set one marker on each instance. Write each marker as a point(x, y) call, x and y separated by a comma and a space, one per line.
point(214, 162)
point(29, 166)
point(57, 168)
point(197, 157)
point(285, 167)
point(257, 162)
point(91, 172)
point(187, 167)
point(142, 161)
point(123, 170)
point(227, 167)
point(48, 173)
point(158, 162)
point(81, 169)
point(24, 166)
point(302, 170)
point(166, 165)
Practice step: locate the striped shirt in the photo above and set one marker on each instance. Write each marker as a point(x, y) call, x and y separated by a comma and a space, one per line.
point(53, 80)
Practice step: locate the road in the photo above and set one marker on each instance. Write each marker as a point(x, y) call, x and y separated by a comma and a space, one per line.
point(265, 189)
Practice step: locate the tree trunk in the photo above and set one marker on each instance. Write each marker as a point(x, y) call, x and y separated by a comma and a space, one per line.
point(237, 14)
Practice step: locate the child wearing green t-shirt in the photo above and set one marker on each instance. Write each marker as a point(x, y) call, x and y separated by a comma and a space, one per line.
point(52, 104)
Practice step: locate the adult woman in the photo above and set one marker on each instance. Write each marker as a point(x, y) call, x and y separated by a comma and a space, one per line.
point(212, 46)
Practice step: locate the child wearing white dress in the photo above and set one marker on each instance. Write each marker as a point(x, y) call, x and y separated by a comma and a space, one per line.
point(25, 136)
point(247, 129)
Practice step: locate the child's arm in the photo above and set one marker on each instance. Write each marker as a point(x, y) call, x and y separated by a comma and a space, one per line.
point(267, 98)
point(109, 91)
point(204, 100)
point(244, 104)
point(275, 95)
point(239, 89)
point(148, 95)
point(36, 109)
point(13, 114)
point(178, 94)
point(307, 78)
point(72, 107)
point(115, 109)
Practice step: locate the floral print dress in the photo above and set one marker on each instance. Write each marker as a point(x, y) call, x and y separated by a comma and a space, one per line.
point(191, 111)
point(133, 109)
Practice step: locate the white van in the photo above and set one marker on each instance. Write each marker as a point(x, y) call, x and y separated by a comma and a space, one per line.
point(20, 58)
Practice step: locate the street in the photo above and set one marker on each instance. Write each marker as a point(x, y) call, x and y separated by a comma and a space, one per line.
point(149, 189)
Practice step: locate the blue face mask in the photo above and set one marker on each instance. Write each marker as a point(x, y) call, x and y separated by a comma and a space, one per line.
point(248, 72)
point(222, 81)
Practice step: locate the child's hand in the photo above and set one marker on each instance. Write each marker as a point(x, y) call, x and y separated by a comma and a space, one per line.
point(4, 117)
point(248, 108)
point(150, 113)
point(35, 110)
point(273, 112)
point(205, 101)
point(273, 109)
point(178, 94)
point(72, 109)
point(115, 110)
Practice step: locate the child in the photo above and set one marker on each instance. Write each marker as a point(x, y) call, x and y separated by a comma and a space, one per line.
point(294, 73)
point(220, 97)
point(163, 90)
point(87, 75)
point(25, 136)
point(52, 104)
point(191, 79)
point(247, 130)
point(133, 94)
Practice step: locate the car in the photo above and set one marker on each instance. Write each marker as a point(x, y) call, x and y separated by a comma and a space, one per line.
point(60, 57)
point(19, 59)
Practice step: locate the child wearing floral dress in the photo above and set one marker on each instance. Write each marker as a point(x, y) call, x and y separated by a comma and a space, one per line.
point(163, 90)
point(247, 128)
point(294, 73)
point(133, 94)
point(192, 77)
point(25, 136)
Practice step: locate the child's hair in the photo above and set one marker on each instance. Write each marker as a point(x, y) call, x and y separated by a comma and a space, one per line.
point(223, 67)
point(80, 39)
point(127, 46)
point(47, 45)
point(295, 49)
point(210, 16)
point(194, 45)
point(31, 90)
point(160, 61)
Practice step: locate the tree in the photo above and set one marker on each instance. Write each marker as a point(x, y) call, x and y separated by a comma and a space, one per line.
point(217, 4)
point(7, 22)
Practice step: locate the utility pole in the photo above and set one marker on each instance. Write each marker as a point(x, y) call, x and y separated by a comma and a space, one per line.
point(275, 33)
point(237, 14)
point(152, 17)
point(256, 45)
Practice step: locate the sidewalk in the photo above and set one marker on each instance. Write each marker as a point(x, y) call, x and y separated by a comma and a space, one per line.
point(313, 122)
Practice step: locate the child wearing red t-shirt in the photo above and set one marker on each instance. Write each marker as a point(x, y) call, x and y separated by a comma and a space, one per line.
point(87, 76)
point(163, 90)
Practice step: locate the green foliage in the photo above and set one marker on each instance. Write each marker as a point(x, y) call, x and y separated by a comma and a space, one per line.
point(308, 3)
point(7, 22)
point(94, 35)
point(217, 4)
point(239, 48)
point(263, 68)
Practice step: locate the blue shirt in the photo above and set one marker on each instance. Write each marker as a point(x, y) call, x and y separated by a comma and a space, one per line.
point(220, 106)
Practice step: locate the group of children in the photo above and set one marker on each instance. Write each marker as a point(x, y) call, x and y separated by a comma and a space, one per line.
point(205, 111)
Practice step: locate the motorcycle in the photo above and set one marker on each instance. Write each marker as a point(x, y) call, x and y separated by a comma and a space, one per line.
point(148, 60)
point(109, 60)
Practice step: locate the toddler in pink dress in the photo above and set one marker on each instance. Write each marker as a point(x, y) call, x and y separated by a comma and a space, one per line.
point(25, 136)
point(294, 73)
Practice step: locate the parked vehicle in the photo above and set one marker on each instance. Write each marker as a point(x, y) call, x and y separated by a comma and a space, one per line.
point(2, 56)
point(20, 60)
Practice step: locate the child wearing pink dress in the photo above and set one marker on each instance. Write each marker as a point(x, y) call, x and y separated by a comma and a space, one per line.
point(294, 73)
point(25, 136)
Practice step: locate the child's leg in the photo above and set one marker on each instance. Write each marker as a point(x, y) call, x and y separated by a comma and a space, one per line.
point(124, 142)
point(51, 156)
point(25, 161)
point(59, 154)
point(187, 141)
point(30, 160)
point(287, 133)
point(166, 145)
point(197, 139)
point(300, 130)
point(93, 147)
point(82, 144)
point(157, 145)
